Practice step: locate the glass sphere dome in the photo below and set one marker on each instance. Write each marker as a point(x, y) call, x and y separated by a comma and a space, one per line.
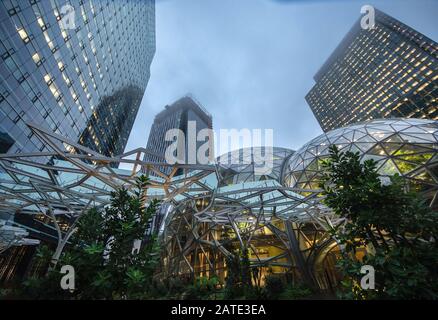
point(252, 164)
point(404, 146)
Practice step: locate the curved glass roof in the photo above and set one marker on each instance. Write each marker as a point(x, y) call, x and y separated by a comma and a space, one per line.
point(252, 164)
point(404, 146)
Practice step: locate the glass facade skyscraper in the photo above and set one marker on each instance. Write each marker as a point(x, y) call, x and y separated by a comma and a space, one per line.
point(177, 116)
point(388, 71)
point(79, 68)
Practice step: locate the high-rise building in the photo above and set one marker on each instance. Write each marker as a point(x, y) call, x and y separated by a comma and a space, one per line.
point(79, 68)
point(387, 71)
point(180, 115)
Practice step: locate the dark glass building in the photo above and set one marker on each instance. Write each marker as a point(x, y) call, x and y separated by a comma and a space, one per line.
point(388, 71)
point(79, 68)
point(180, 115)
point(177, 116)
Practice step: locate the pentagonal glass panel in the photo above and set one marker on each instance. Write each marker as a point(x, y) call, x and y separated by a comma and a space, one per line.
point(388, 168)
point(420, 158)
point(377, 150)
point(413, 130)
point(394, 138)
point(391, 148)
point(416, 148)
point(367, 138)
point(342, 139)
point(372, 157)
point(322, 150)
point(364, 146)
point(430, 128)
point(399, 127)
point(296, 175)
point(411, 138)
point(358, 134)
point(355, 149)
point(348, 135)
point(405, 166)
point(342, 146)
point(425, 176)
point(313, 166)
point(379, 134)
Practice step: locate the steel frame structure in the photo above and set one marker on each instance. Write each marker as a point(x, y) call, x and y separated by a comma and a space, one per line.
point(70, 179)
point(65, 182)
point(264, 218)
point(407, 147)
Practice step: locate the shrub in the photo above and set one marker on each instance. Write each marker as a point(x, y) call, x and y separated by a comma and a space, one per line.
point(295, 293)
point(274, 286)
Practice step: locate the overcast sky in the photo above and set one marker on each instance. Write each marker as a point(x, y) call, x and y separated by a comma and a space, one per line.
point(251, 62)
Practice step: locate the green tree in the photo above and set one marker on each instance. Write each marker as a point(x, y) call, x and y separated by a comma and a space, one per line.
point(101, 251)
point(238, 283)
point(395, 227)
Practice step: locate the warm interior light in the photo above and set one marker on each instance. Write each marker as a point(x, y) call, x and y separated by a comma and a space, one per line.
point(36, 57)
point(22, 33)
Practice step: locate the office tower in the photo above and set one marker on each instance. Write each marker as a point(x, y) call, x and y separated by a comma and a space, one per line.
point(79, 68)
point(388, 71)
point(180, 115)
